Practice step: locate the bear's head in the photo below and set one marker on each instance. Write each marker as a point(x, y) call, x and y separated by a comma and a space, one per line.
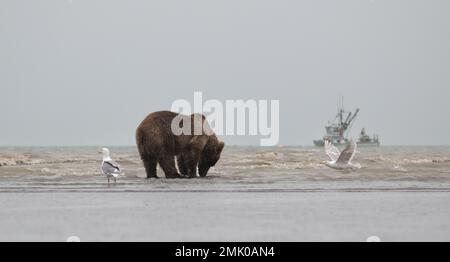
point(210, 155)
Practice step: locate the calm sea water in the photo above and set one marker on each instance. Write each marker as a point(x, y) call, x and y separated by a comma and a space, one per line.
point(241, 169)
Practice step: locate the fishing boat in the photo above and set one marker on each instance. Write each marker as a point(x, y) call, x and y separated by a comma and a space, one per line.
point(337, 130)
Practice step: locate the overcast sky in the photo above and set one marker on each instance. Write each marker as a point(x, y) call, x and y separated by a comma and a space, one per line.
point(86, 72)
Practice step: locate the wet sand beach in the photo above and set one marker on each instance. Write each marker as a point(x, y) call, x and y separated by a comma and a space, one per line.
point(225, 216)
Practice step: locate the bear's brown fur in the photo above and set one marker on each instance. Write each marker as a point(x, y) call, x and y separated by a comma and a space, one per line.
point(158, 144)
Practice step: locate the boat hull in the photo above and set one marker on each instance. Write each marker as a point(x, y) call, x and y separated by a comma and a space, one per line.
point(321, 143)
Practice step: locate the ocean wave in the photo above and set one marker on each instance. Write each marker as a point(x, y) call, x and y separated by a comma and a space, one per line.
point(286, 167)
point(401, 160)
point(30, 162)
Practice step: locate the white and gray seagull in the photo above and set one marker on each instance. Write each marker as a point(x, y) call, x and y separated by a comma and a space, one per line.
point(341, 160)
point(109, 167)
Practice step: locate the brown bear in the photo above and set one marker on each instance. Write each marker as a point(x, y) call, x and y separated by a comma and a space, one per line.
point(157, 143)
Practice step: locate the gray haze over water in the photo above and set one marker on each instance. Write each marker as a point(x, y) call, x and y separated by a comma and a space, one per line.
point(87, 72)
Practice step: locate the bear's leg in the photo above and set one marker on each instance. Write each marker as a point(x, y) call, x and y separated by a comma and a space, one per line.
point(167, 163)
point(181, 165)
point(150, 167)
point(191, 159)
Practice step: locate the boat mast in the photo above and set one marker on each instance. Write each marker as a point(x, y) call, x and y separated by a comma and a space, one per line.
point(345, 124)
point(350, 118)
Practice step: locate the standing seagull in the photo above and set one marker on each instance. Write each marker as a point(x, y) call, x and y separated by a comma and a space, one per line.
point(341, 160)
point(109, 167)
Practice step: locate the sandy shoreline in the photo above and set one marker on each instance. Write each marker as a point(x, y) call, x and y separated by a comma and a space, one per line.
point(221, 216)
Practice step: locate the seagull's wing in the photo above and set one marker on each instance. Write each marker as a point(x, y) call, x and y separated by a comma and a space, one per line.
point(347, 154)
point(110, 167)
point(331, 151)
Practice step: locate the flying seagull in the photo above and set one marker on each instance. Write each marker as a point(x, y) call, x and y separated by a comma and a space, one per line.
point(341, 160)
point(109, 167)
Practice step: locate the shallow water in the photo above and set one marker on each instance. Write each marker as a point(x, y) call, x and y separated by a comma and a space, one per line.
point(241, 169)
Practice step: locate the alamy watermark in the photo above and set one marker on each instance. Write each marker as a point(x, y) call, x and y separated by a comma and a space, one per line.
point(73, 239)
point(232, 117)
point(373, 239)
